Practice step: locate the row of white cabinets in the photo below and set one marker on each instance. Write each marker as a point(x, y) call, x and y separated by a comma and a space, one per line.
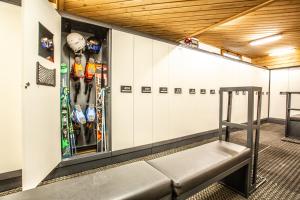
point(143, 118)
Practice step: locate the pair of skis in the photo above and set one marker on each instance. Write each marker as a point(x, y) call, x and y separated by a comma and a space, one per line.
point(68, 145)
point(102, 137)
point(68, 139)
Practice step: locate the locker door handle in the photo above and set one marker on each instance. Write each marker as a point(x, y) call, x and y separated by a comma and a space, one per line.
point(27, 85)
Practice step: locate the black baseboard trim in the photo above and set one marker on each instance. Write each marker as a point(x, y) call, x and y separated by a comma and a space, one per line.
point(14, 2)
point(10, 180)
point(276, 121)
point(84, 158)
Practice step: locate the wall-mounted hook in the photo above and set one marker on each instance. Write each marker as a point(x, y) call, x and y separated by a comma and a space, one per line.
point(27, 85)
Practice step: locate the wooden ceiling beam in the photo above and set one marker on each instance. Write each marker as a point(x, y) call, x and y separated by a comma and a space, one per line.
point(197, 33)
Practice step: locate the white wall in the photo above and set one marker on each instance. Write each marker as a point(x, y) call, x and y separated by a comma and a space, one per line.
point(283, 80)
point(294, 85)
point(173, 115)
point(10, 88)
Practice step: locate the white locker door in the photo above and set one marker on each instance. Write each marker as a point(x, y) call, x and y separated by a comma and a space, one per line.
point(177, 101)
point(279, 83)
point(294, 86)
point(265, 99)
point(160, 101)
point(122, 103)
point(190, 101)
point(143, 75)
point(209, 75)
point(41, 104)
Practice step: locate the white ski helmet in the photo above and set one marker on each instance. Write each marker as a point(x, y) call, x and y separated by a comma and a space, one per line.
point(76, 42)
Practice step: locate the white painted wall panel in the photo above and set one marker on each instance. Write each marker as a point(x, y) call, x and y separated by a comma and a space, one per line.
point(264, 77)
point(190, 117)
point(279, 83)
point(143, 102)
point(294, 86)
point(177, 102)
point(242, 76)
point(122, 103)
point(284, 80)
point(160, 101)
point(203, 112)
point(11, 110)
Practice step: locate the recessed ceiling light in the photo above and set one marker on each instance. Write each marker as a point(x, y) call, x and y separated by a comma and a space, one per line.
point(266, 40)
point(282, 51)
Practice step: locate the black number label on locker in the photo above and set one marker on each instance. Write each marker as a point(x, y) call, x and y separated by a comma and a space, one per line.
point(244, 92)
point(237, 92)
point(212, 91)
point(203, 91)
point(146, 89)
point(126, 89)
point(163, 90)
point(192, 91)
point(178, 90)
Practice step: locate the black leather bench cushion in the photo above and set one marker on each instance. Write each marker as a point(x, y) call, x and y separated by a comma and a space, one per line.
point(295, 117)
point(190, 168)
point(138, 180)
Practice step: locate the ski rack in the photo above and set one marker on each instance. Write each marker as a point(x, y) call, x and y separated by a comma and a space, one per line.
point(249, 126)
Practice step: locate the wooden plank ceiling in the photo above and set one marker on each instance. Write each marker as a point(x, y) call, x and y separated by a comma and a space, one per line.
point(227, 24)
point(281, 16)
point(170, 19)
point(291, 60)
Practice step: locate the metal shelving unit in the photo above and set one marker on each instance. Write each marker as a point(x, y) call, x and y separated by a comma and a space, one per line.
point(250, 125)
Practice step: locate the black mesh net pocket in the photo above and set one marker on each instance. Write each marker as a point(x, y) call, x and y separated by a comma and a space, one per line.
point(45, 76)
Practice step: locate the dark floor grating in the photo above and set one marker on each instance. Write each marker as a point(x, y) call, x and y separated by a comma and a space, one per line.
point(279, 163)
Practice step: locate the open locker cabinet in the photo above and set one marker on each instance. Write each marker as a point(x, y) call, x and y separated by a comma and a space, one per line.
point(83, 113)
point(51, 132)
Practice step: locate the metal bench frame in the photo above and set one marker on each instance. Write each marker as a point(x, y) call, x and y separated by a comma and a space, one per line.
point(238, 173)
point(242, 178)
point(291, 127)
point(250, 126)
